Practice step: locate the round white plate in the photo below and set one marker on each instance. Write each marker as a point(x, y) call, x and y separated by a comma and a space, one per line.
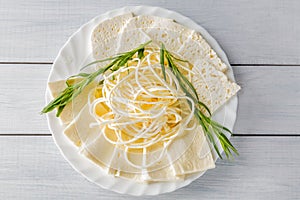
point(77, 51)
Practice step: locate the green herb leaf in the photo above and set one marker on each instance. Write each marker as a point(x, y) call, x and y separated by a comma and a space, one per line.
point(72, 91)
point(141, 53)
point(162, 60)
point(98, 61)
point(211, 128)
point(178, 59)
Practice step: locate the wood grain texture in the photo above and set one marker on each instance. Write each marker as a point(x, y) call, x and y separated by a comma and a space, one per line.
point(268, 102)
point(264, 170)
point(253, 33)
point(22, 96)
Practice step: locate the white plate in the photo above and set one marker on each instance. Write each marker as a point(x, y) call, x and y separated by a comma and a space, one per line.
point(73, 54)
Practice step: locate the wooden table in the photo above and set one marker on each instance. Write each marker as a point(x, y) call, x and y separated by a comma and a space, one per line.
point(262, 41)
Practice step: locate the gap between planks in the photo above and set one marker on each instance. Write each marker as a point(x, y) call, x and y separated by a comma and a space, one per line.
point(50, 63)
point(234, 135)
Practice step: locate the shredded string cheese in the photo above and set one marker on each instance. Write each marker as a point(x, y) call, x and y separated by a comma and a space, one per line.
point(141, 112)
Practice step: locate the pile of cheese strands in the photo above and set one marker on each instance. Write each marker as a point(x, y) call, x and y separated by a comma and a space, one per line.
point(138, 125)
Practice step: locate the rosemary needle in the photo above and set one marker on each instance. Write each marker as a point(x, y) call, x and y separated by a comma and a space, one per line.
point(211, 128)
point(72, 91)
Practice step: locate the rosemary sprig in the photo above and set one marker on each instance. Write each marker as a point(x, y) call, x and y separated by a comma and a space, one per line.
point(162, 62)
point(211, 128)
point(73, 91)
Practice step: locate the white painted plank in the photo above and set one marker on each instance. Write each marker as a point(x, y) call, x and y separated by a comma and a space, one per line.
point(268, 102)
point(22, 96)
point(32, 168)
point(264, 32)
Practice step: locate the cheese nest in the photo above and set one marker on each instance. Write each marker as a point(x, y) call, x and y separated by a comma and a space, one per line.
point(140, 112)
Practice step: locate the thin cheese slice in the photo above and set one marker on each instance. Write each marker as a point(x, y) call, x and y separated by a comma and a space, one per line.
point(97, 162)
point(116, 35)
point(99, 151)
point(177, 37)
point(196, 49)
point(196, 158)
point(72, 108)
point(128, 40)
point(110, 27)
point(72, 133)
point(213, 86)
point(146, 21)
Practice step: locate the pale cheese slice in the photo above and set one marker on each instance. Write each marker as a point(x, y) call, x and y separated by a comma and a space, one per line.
point(196, 158)
point(116, 35)
point(212, 86)
point(128, 40)
point(146, 21)
point(95, 147)
point(110, 27)
point(155, 28)
point(72, 133)
point(196, 49)
point(177, 37)
point(72, 108)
